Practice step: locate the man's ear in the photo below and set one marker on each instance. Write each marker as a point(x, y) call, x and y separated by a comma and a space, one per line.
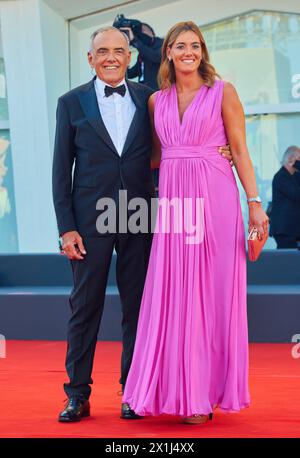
point(90, 58)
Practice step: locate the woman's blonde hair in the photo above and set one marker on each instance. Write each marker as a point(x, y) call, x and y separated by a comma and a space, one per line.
point(166, 74)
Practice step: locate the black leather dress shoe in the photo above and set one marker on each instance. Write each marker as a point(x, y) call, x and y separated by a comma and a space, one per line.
point(75, 409)
point(128, 414)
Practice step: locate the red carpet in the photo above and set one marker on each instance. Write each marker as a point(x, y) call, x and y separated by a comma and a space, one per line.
point(31, 396)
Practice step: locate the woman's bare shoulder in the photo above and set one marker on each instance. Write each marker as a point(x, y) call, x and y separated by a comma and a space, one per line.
point(229, 91)
point(231, 103)
point(151, 101)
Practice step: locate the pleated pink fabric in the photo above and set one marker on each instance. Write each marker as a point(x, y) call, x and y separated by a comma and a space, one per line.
point(191, 351)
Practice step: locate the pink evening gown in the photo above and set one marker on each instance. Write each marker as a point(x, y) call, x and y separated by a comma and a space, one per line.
point(191, 350)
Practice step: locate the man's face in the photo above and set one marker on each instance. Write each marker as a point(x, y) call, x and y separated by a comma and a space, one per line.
point(296, 157)
point(110, 56)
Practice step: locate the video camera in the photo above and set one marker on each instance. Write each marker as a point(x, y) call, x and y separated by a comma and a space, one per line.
point(121, 21)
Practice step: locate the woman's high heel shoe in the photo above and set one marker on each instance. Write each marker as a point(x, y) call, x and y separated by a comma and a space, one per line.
point(197, 419)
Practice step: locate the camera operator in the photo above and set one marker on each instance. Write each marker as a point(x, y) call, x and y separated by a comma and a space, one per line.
point(142, 37)
point(285, 212)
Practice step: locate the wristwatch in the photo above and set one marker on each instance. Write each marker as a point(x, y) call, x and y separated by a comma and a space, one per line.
point(254, 199)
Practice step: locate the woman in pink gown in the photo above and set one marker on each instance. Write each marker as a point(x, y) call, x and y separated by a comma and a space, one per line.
point(191, 350)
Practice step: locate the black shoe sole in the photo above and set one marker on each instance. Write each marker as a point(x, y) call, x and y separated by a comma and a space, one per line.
point(73, 420)
point(131, 418)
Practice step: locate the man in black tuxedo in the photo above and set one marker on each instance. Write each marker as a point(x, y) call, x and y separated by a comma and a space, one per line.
point(104, 128)
point(285, 213)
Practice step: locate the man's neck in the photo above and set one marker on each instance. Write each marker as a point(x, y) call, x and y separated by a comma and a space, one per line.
point(112, 84)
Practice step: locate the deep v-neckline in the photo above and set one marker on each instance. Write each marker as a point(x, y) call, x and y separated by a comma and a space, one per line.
point(180, 121)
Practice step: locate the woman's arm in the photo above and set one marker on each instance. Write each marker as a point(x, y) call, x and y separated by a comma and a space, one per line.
point(234, 122)
point(156, 146)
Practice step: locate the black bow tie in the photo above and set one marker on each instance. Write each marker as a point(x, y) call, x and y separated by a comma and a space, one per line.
point(109, 90)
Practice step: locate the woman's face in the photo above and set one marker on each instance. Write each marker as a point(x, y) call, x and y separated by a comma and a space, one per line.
point(186, 52)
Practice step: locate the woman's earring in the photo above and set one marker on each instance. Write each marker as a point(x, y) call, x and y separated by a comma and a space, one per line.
point(170, 59)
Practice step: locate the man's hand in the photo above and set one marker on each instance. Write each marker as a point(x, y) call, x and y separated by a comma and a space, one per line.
point(225, 151)
point(128, 32)
point(72, 245)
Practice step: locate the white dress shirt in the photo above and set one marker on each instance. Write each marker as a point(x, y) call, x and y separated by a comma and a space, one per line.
point(117, 113)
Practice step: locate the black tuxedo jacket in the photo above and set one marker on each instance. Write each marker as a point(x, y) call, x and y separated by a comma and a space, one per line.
point(82, 141)
point(285, 213)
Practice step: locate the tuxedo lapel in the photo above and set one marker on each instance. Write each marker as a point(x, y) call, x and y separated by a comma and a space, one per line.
point(138, 115)
point(89, 104)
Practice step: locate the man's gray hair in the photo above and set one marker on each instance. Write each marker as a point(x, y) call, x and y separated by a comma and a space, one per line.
point(290, 151)
point(106, 29)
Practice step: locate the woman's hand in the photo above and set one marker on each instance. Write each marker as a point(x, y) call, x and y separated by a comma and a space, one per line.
point(258, 218)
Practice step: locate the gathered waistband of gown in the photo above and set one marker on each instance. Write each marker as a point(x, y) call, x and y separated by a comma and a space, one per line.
point(182, 152)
